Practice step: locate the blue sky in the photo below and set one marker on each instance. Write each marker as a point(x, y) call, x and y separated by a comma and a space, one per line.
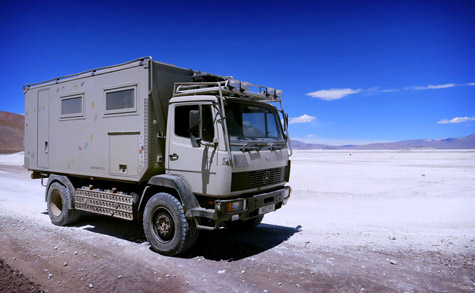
point(351, 71)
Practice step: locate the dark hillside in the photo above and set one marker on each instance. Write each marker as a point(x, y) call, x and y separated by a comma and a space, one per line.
point(12, 127)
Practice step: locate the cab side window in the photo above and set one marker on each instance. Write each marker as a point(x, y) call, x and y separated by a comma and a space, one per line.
point(207, 123)
point(182, 121)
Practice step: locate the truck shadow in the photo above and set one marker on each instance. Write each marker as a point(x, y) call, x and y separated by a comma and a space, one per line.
point(123, 229)
point(225, 245)
point(220, 245)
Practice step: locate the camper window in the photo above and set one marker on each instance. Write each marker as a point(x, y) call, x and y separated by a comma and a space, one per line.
point(120, 100)
point(72, 106)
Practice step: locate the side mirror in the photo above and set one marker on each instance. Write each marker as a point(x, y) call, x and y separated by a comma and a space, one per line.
point(195, 120)
point(286, 119)
point(286, 125)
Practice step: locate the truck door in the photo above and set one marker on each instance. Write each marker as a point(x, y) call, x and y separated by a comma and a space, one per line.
point(197, 164)
point(43, 128)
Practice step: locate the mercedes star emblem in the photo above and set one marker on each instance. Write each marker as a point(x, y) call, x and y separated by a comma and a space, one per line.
point(266, 177)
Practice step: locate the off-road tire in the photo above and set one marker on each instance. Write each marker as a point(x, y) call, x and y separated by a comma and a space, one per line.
point(58, 201)
point(167, 229)
point(243, 226)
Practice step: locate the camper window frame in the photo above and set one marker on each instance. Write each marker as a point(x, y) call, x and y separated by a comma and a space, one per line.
point(129, 110)
point(70, 116)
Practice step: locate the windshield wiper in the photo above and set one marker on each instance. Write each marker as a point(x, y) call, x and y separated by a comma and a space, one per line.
point(277, 145)
point(253, 146)
point(240, 137)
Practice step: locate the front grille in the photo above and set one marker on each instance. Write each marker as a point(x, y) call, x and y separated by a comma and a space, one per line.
point(259, 178)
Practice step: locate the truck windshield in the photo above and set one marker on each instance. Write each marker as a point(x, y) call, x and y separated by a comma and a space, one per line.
point(254, 125)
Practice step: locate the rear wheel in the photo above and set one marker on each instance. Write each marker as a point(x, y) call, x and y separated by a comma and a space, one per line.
point(58, 201)
point(167, 229)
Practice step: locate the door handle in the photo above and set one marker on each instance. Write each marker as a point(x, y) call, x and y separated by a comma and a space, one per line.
point(46, 147)
point(174, 156)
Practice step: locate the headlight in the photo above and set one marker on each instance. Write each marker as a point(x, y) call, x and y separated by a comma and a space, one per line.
point(235, 206)
point(286, 195)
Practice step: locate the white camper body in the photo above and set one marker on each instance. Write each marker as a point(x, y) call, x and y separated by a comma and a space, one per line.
point(179, 150)
point(99, 124)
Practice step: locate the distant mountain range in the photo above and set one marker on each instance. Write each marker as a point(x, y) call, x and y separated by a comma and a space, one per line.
point(467, 142)
point(12, 128)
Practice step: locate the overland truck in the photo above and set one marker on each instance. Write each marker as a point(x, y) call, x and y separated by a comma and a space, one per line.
point(175, 149)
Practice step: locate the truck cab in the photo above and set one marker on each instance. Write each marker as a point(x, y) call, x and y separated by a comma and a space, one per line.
point(230, 147)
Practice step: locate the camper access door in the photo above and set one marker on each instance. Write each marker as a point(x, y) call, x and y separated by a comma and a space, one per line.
point(43, 128)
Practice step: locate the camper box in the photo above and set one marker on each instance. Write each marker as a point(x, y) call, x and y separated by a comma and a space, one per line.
point(113, 131)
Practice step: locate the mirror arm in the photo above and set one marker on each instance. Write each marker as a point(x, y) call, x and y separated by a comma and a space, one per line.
point(195, 141)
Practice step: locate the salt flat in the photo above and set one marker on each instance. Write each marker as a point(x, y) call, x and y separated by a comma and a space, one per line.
point(373, 220)
point(422, 198)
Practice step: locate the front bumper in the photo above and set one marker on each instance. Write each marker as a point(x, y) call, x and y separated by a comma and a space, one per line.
point(253, 206)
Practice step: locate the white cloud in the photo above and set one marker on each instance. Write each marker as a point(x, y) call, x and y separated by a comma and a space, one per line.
point(431, 86)
point(443, 121)
point(456, 120)
point(333, 94)
point(389, 90)
point(376, 90)
point(302, 119)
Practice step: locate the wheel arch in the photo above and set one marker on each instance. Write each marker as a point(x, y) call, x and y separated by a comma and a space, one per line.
point(63, 180)
point(174, 185)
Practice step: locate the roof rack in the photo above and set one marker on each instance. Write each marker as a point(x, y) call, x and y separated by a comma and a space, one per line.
point(230, 87)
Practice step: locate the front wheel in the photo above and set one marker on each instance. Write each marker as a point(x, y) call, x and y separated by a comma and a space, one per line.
point(167, 229)
point(58, 201)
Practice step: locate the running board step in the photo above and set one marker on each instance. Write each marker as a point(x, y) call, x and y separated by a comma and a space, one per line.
point(105, 202)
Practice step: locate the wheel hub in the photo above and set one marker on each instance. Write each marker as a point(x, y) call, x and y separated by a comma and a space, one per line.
point(164, 226)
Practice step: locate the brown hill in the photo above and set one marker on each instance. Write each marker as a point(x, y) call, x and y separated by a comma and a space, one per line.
point(12, 127)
